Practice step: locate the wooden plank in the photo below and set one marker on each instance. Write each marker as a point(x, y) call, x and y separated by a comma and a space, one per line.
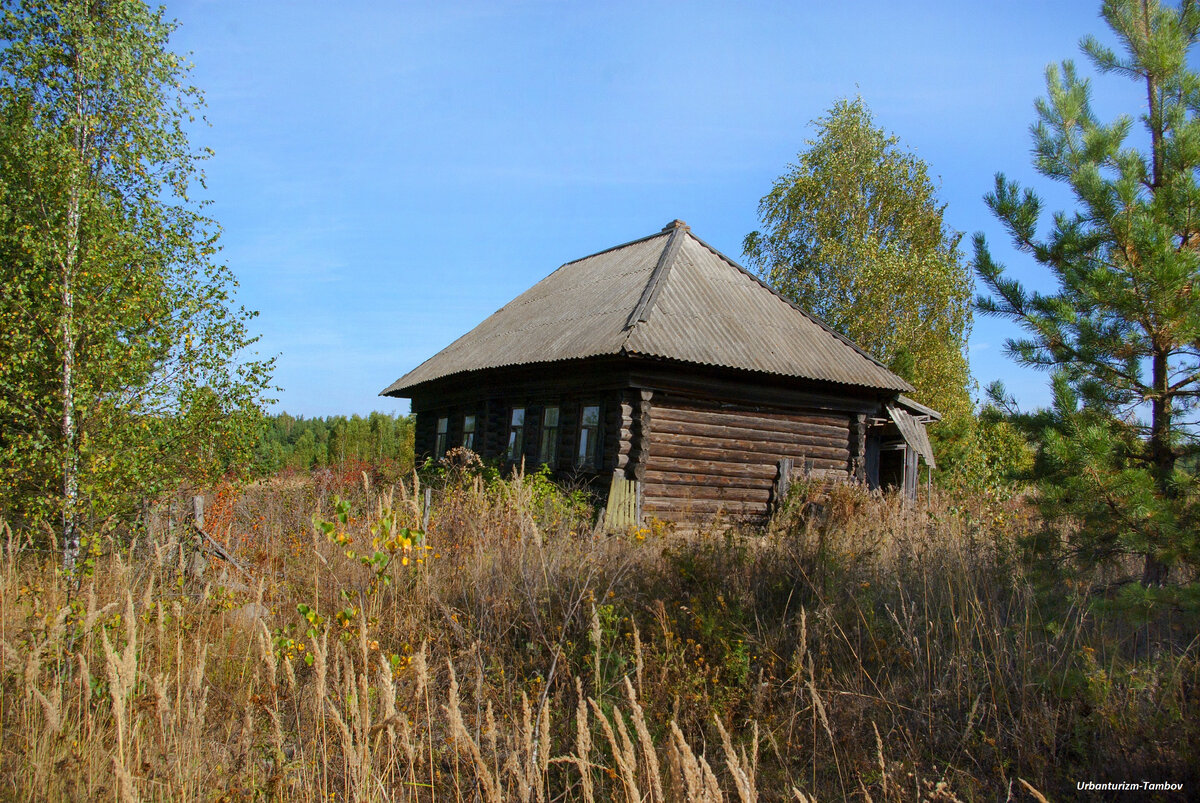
point(707, 468)
point(665, 490)
point(783, 482)
point(820, 425)
point(690, 383)
point(664, 507)
point(743, 434)
point(621, 512)
point(707, 481)
point(700, 451)
point(717, 403)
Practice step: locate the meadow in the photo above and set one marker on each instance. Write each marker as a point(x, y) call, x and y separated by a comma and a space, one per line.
point(496, 646)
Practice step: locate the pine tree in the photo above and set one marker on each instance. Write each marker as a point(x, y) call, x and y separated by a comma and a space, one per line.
point(1122, 330)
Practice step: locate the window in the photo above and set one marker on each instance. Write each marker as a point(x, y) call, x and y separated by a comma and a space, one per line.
point(468, 440)
point(443, 430)
point(548, 449)
point(589, 436)
point(516, 434)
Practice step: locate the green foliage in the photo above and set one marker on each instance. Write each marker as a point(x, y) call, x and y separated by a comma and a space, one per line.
point(1122, 329)
point(983, 452)
point(854, 233)
point(123, 369)
point(305, 443)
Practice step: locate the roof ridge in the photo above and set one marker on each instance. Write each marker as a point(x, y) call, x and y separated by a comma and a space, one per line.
point(817, 319)
point(641, 310)
point(614, 248)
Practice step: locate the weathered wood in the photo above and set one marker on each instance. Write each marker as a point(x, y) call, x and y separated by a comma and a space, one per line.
point(707, 468)
point(767, 422)
point(610, 430)
point(691, 383)
point(741, 496)
point(622, 510)
point(707, 456)
point(762, 455)
point(707, 480)
point(746, 435)
point(783, 482)
point(641, 404)
point(660, 503)
point(625, 441)
point(857, 465)
point(567, 381)
point(684, 509)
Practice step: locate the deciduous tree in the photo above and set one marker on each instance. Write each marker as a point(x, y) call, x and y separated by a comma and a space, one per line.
point(122, 355)
point(853, 232)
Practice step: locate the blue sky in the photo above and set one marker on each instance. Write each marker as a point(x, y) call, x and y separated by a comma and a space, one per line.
point(389, 174)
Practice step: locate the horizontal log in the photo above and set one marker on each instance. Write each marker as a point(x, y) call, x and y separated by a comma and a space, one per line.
point(823, 425)
point(711, 471)
point(735, 436)
point(837, 474)
point(692, 508)
point(711, 492)
point(707, 481)
point(764, 455)
point(759, 471)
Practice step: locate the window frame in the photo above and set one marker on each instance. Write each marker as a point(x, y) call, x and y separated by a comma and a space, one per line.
point(548, 452)
point(469, 432)
point(588, 457)
point(516, 434)
point(441, 436)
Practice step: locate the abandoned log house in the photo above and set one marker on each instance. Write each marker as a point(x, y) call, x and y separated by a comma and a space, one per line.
point(671, 379)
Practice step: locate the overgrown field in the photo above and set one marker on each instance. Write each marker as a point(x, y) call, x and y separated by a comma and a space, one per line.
point(863, 648)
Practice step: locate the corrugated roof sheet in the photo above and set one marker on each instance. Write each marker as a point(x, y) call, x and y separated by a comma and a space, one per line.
point(914, 434)
point(917, 410)
point(669, 295)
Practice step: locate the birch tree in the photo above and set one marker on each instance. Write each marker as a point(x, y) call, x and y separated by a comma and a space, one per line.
point(124, 365)
point(853, 232)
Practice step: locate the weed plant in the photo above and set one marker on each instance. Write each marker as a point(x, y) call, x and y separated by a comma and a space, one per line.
point(499, 647)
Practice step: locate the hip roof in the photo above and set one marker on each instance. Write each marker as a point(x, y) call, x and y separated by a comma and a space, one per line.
point(670, 296)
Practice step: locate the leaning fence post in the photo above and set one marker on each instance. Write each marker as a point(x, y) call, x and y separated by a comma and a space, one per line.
point(425, 515)
point(199, 561)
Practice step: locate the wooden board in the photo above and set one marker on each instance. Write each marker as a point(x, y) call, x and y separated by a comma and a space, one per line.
point(704, 457)
point(757, 420)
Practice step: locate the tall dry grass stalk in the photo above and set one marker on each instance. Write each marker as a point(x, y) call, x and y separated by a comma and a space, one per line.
point(861, 648)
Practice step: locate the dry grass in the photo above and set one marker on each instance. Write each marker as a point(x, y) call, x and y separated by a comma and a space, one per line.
point(861, 649)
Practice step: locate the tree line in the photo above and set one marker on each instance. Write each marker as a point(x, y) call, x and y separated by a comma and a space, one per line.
point(296, 442)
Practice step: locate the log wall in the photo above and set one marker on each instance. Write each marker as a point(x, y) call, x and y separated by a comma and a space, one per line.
point(703, 457)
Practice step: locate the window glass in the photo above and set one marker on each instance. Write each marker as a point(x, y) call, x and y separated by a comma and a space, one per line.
point(548, 448)
point(516, 434)
point(468, 432)
point(589, 436)
point(591, 416)
point(443, 430)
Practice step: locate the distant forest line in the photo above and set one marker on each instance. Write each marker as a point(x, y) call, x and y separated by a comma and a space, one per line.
point(295, 442)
